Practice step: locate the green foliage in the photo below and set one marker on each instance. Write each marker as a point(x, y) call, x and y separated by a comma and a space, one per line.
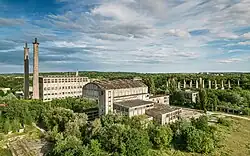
point(160, 136)
point(1, 93)
point(201, 123)
point(224, 122)
point(203, 99)
point(198, 141)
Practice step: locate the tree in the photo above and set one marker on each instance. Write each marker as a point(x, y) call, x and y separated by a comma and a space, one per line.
point(198, 141)
point(69, 146)
point(152, 85)
point(137, 142)
point(160, 136)
point(1, 93)
point(7, 126)
point(201, 123)
point(203, 99)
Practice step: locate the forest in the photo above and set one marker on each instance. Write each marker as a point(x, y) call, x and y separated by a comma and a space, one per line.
point(70, 134)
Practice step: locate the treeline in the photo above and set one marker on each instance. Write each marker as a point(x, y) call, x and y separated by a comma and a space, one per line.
point(159, 79)
point(119, 135)
point(22, 112)
point(211, 99)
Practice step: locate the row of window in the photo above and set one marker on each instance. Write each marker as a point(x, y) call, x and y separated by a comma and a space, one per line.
point(129, 92)
point(48, 99)
point(63, 87)
point(62, 80)
point(63, 93)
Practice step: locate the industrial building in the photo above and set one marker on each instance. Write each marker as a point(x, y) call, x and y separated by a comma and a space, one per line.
point(60, 87)
point(131, 98)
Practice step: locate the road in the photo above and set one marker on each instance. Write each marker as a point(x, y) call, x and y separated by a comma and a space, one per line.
point(219, 113)
point(229, 115)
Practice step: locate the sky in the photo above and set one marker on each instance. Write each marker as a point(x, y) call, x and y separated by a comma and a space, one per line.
point(127, 35)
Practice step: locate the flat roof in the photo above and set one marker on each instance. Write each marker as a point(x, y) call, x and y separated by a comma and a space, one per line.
point(161, 109)
point(133, 103)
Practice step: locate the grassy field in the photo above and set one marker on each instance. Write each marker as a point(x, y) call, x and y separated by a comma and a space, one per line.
point(235, 141)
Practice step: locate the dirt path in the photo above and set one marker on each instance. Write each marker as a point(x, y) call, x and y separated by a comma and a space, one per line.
point(230, 115)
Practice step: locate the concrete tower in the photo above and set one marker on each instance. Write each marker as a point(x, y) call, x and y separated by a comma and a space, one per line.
point(26, 71)
point(35, 70)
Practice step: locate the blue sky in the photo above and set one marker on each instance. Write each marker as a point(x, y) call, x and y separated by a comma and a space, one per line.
point(127, 35)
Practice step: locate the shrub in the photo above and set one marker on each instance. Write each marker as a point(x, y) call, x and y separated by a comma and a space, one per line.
point(224, 122)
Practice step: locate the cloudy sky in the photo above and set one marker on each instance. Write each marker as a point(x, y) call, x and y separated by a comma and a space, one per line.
point(127, 35)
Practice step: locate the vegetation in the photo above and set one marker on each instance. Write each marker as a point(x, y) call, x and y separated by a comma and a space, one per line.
point(70, 134)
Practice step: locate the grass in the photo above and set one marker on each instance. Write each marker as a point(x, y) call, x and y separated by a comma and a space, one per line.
point(5, 152)
point(235, 141)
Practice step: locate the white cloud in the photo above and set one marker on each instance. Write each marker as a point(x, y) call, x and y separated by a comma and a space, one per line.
point(230, 60)
point(246, 35)
point(10, 22)
point(244, 43)
point(145, 31)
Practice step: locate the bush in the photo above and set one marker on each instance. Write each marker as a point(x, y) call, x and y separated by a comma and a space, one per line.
point(1, 136)
point(224, 122)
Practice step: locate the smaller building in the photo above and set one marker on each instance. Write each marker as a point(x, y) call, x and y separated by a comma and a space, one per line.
point(161, 99)
point(132, 107)
point(164, 114)
point(191, 95)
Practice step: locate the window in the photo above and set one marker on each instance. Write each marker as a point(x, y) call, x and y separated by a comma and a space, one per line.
point(52, 88)
point(55, 80)
point(62, 80)
point(48, 80)
point(48, 88)
point(62, 87)
point(52, 81)
point(45, 88)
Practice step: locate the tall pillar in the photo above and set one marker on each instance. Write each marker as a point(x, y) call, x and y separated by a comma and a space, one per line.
point(197, 84)
point(179, 85)
point(209, 84)
point(203, 84)
point(35, 70)
point(229, 84)
point(200, 81)
point(184, 84)
point(26, 71)
point(190, 84)
point(222, 85)
point(238, 83)
point(167, 83)
point(215, 84)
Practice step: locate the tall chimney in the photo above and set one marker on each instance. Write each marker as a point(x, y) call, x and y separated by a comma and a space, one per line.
point(26, 71)
point(35, 70)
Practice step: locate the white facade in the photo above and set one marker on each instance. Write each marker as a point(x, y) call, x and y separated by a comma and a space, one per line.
point(108, 96)
point(131, 98)
point(60, 87)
